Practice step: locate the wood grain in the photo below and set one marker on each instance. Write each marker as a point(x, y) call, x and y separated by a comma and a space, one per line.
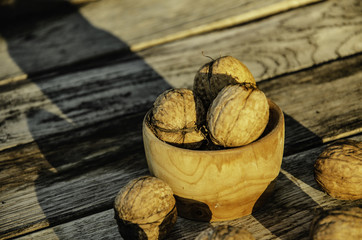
point(277, 45)
point(166, 21)
point(287, 215)
point(53, 39)
point(35, 108)
point(71, 137)
point(64, 176)
point(42, 106)
point(311, 97)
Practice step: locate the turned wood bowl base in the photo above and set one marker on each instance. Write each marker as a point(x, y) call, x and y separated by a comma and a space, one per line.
point(134, 231)
point(199, 211)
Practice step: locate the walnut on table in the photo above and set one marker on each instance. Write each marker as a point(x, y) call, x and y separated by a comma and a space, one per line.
point(338, 170)
point(145, 208)
point(337, 224)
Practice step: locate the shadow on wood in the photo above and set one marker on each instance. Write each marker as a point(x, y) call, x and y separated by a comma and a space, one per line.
point(272, 210)
point(81, 150)
point(51, 34)
point(297, 137)
point(276, 214)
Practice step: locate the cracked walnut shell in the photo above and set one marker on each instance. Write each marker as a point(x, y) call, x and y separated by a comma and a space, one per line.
point(177, 117)
point(145, 208)
point(215, 75)
point(338, 170)
point(238, 115)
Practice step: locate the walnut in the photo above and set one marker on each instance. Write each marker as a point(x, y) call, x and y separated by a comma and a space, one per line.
point(337, 224)
point(338, 170)
point(225, 232)
point(238, 115)
point(177, 118)
point(215, 75)
point(145, 208)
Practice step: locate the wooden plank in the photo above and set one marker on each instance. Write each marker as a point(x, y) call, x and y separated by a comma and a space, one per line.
point(42, 107)
point(64, 176)
point(287, 215)
point(166, 21)
point(310, 98)
point(109, 26)
point(54, 188)
point(284, 43)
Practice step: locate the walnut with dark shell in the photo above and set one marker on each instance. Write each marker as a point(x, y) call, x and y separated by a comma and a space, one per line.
point(225, 232)
point(337, 224)
point(338, 170)
point(145, 208)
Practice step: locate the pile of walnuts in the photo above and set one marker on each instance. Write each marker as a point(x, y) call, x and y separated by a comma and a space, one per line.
point(224, 109)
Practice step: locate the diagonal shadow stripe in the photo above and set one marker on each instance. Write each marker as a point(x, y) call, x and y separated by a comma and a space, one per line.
point(77, 152)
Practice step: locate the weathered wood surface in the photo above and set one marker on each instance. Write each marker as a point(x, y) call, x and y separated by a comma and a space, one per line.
point(64, 36)
point(101, 93)
point(287, 215)
point(172, 20)
point(312, 97)
point(38, 109)
point(70, 138)
point(284, 43)
point(64, 176)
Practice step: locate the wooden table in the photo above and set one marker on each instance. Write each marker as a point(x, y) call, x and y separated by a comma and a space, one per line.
point(77, 78)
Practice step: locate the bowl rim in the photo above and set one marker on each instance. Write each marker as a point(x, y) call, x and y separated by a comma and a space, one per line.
point(272, 105)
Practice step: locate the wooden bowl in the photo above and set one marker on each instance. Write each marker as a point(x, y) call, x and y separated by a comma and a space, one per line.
point(218, 185)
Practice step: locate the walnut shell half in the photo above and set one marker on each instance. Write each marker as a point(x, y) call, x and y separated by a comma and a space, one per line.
point(145, 208)
point(337, 224)
point(338, 170)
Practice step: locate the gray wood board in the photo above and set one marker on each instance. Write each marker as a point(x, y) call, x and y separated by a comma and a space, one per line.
point(64, 176)
point(162, 21)
point(42, 107)
point(310, 98)
point(61, 34)
point(306, 37)
point(287, 215)
point(280, 44)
